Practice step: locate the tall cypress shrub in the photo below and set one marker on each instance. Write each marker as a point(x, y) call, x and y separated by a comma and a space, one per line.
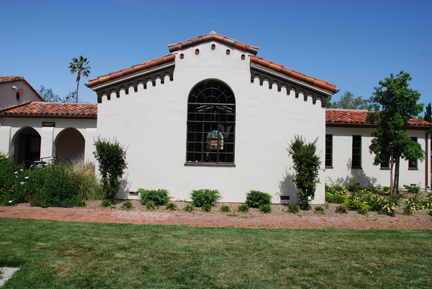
point(111, 157)
point(306, 166)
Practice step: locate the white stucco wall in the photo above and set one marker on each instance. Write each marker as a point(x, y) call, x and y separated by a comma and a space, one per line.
point(10, 126)
point(151, 124)
point(8, 94)
point(369, 174)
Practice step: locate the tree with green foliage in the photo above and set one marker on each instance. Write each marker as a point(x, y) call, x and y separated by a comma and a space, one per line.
point(48, 95)
point(306, 166)
point(111, 157)
point(348, 101)
point(428, 113)
point(394, 104)
point(79, 66)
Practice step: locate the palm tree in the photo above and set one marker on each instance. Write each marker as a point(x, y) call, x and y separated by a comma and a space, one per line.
point(79, 66)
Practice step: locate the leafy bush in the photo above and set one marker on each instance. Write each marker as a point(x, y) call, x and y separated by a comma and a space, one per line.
point(334, 198)
point(306, 166)
point(319, 210)
point(407, 211)
point(204, 197)
point(364, 209)
point(243, 208)
point(265, 208)
point(353, 205)
point(150, 205)
point(341, 209)
point(254, 199)
point(293, 208)
point(189, 207)
point(127, 205)
point(111, 157)
point(353, 186)
point(337, 194)
point(430, 213)
point(158, 197)
point(171, 206)
point(81, 203)
point(389, 206)
point(415, 204)
point(414, 190)
point(53, 186)
point(13, 182)
point(105, 203)
point(207, 207)
point(225, 209)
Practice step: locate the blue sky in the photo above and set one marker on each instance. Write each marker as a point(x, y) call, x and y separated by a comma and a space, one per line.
point(353, 44)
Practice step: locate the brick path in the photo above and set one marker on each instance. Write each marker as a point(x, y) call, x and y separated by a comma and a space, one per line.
point(213, 220)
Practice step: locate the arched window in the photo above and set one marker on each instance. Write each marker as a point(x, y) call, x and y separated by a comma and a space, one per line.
point(211, 124)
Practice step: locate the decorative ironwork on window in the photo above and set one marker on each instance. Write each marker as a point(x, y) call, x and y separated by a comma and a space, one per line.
point(211, 124)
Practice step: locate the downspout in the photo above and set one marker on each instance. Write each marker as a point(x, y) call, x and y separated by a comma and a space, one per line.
point(428, 155)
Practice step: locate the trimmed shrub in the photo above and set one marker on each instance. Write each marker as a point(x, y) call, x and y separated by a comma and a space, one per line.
point(189, 207)
point(293, 208)
point(171, 206)
point(306, 165)
point(430, 213)
point(319, 210)
point(341, 209)
point(158, 197)
point(111, 157)
point(225, 209)
point(265, 208)
point(243, 208)
point(255, 199)
point(207, 208)
point(204, 197)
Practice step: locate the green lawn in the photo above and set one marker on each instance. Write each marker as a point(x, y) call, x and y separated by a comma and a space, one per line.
point(83, 255)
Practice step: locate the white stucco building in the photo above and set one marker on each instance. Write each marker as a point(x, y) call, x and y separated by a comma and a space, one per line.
point(210, 114)
point(32, 129)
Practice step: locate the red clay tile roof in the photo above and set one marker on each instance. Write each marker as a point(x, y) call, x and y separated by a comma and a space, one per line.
point(11, 78)
point(133, 69)
point(291, 72)
point(213, 37)
point(357, 117)
point(8, 78)
point(53, 109)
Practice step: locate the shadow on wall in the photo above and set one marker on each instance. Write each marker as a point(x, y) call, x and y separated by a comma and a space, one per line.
point(124, 188)
point(287, 189)
point(358, 176)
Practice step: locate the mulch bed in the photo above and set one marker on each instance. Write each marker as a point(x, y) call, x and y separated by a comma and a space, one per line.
point(276, 209)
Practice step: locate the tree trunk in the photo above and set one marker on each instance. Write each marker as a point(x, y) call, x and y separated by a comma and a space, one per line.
point(396, 179)
point(76, 100)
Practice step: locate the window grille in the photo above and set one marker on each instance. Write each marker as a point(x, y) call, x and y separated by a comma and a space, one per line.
point(356, 152)
point(211, 124)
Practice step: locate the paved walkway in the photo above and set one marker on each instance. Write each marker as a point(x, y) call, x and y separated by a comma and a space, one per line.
point(213, 220)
